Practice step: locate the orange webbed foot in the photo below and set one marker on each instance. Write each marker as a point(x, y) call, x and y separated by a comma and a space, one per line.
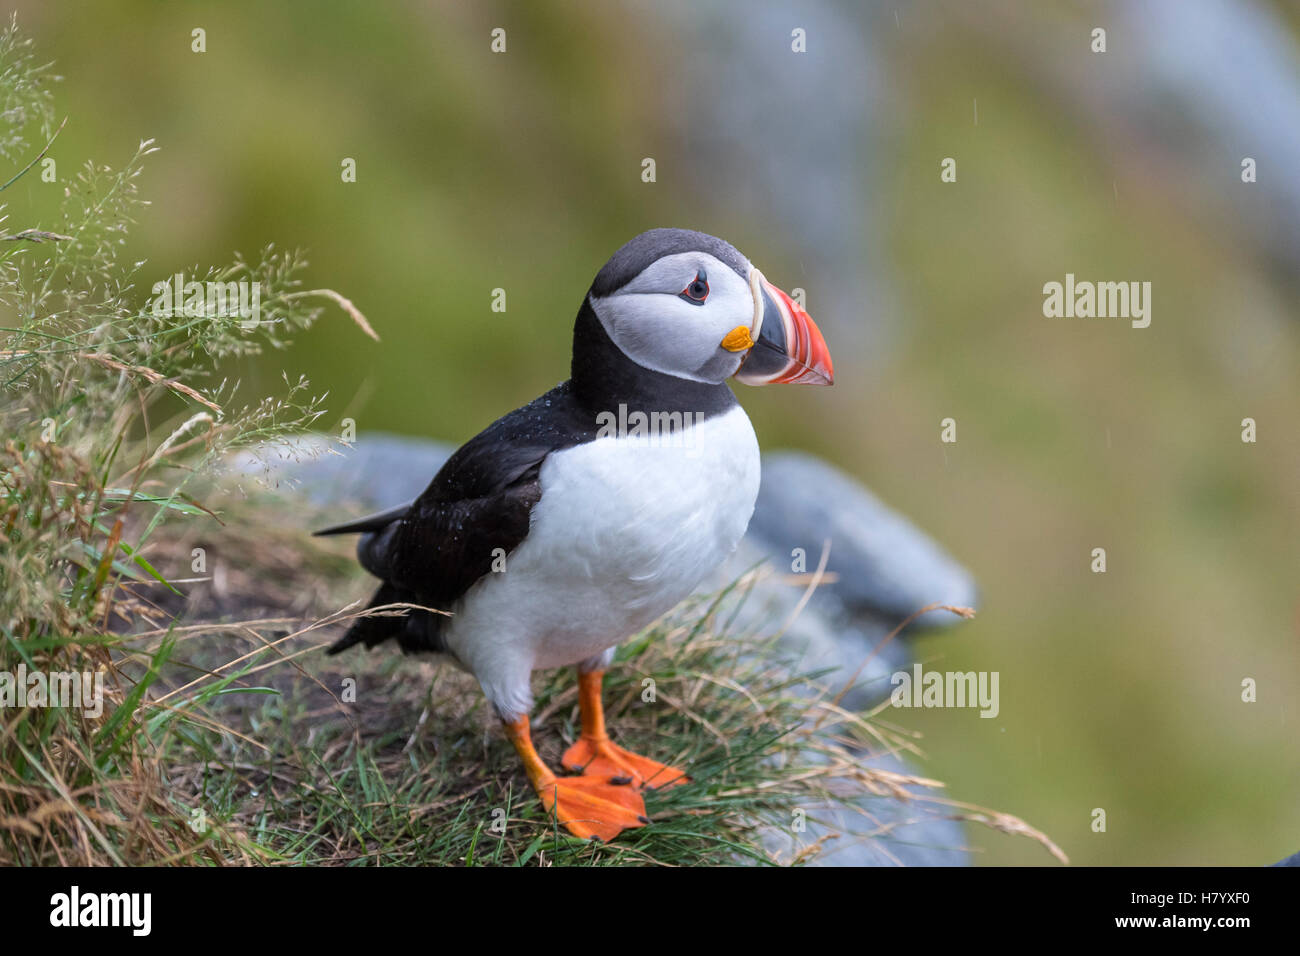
point(593, 807)
point(603, 759)
point(587, 806)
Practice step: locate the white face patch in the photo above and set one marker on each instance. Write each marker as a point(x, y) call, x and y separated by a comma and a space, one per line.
point(656, 327)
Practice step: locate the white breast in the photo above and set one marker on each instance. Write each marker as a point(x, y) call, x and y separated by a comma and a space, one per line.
point(625, 529)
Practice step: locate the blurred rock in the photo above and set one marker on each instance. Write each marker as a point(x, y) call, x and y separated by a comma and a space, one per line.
point(1187, 86)
point(822, 198)
point(886, 569)
point(882, 831)
point(883, 568)
point(376, 473)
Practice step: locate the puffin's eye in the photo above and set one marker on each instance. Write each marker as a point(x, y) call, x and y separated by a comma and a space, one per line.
point(697, 291)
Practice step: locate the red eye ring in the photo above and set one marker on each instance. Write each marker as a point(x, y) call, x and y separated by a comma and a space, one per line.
point(697, 291)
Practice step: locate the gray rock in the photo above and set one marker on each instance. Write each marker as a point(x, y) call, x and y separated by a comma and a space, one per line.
point(377, 472)
point(886, 569)
point(881, 831)
point(824, 636)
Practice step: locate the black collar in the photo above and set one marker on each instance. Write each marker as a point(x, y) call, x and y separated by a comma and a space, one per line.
point(604, 378)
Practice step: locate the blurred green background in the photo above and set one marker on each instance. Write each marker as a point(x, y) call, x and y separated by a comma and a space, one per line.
point(522, 171)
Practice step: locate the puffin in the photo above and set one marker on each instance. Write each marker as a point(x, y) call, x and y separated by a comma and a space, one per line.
point(572, 523)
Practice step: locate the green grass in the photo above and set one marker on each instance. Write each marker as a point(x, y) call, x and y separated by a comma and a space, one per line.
point(108, 411)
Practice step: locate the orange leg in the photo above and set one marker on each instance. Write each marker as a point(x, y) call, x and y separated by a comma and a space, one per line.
point(596, 755)
point(587, 806)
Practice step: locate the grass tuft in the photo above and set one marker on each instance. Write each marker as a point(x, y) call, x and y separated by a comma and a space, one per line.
point(108, 409)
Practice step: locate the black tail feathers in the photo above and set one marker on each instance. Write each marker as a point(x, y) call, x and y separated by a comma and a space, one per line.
point(414, 631)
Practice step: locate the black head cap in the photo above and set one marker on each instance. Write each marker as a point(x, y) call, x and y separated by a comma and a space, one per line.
point(636, 254)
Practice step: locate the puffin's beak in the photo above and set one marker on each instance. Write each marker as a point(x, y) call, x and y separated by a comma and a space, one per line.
point(787, 347)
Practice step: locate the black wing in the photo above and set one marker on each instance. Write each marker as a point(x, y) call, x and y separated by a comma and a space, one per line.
point(432, 551)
